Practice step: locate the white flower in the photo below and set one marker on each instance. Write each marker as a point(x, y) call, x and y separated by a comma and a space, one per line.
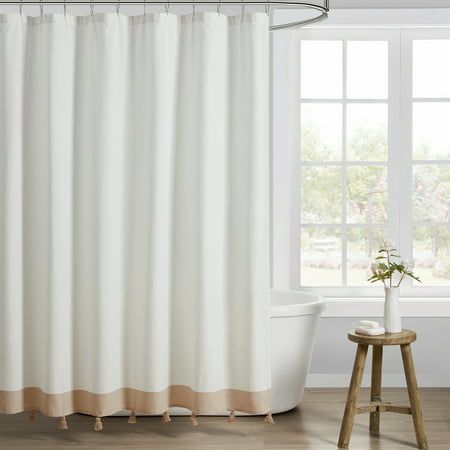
point(387, 244)
point(374, 268)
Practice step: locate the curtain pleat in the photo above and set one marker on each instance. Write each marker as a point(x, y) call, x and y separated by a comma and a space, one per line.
point(134, 213)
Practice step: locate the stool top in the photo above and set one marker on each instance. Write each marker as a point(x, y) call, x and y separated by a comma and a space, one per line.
point(404, 337)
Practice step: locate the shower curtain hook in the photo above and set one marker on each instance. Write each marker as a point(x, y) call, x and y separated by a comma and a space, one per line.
point(145, 8)
point(193, 9)
point(92, 7)
point(65, 7)
point(21, 7)
point(218, 7)
point(117, 7)
point(267, 9)
point(242, 8)
point(166, 8)
point(41, 8)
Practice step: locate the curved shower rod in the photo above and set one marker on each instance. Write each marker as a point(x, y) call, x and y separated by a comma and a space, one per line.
point(321, 9)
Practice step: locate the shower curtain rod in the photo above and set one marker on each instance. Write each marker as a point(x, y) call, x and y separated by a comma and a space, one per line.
point(322, 10)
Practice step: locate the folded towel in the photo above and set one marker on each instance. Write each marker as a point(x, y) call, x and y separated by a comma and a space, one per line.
point(368, 324)
point(370, 331)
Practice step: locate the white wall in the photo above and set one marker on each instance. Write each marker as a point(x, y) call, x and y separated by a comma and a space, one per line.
point(370, 4)
point(334, 354)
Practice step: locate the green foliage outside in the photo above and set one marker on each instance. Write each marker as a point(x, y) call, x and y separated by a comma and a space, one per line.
point(321, 202)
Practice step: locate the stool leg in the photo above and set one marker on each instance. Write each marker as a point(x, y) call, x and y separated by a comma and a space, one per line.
point(375, 390)
point(352, 396)
point(414, 399)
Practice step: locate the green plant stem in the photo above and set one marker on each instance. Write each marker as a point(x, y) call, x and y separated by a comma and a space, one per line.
point(403, 275)
point(389, 267)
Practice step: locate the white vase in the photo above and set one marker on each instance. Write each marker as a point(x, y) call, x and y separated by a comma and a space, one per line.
point(392, 317)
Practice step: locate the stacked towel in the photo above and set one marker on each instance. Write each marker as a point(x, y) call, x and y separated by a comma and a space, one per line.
point(369, 328)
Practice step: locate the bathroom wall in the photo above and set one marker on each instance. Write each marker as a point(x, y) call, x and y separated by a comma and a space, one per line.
point(334, 354)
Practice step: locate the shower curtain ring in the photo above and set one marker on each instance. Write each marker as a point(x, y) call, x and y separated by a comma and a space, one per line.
point(21, 7)
point(267, 8)
point(92, 7)
point(118, 7)
point(145, 8)
point(166, 8)
point(193, 9)
point(41, 8)
point(242, 8)
point(218, 7)
point(65, 7)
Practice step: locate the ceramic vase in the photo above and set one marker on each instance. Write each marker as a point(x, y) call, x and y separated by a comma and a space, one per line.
point(392, 317)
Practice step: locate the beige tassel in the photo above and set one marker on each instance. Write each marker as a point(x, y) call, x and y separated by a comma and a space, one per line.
point(98, 424)
point(269, 418)
point(132, 418)
point(194, 420)
point(32, 416)
point(62, 423)
point(232, 417)
point(166, 418)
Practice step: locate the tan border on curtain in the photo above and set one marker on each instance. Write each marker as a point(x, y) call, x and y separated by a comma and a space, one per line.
point(55, 405)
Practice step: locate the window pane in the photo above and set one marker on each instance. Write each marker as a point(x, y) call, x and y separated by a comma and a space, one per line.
point(321, 69)
point(362, 247)
point(366, 194)
point(431, 131)
point(320, 195)
point(367, 69)
point(321, 132)
point(320, 257)
point(431, 193)
point(431, 250)
point(367, 132)
point(431, 68)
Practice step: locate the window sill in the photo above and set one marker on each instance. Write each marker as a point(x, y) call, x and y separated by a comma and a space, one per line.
point(373, 307)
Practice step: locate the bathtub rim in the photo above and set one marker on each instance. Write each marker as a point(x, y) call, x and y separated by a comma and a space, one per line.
point(312, 304)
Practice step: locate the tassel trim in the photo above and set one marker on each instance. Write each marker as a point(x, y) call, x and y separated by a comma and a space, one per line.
point(194, 420)
point(269, 419)
point(32, 416)
point(132, 418)
point(232, 417)
point(62, 423)
point(166, 417)
point(98, 426)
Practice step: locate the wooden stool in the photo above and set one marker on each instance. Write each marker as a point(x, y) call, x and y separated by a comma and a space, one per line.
point(376, 405)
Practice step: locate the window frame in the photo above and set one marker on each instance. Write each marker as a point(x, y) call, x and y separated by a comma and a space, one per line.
point(399, 163)
point(407, 36)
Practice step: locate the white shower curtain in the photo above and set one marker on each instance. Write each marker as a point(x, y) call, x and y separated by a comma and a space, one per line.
point(134, 213)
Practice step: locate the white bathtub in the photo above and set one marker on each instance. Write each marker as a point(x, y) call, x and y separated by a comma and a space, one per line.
point(294, 318)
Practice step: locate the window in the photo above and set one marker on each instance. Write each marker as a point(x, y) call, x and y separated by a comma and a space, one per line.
point(429, 104)
point(370, 116)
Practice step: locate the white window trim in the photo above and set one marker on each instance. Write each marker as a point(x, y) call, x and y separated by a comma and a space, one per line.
point(427, 302)
point(373, 307)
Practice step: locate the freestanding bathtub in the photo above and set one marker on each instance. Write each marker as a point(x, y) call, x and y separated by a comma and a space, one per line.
point(294, 317)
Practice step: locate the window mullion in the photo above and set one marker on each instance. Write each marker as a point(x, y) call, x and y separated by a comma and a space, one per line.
point(397, 147)
point(344, 166)
point(295, 151)
point(404, 165)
